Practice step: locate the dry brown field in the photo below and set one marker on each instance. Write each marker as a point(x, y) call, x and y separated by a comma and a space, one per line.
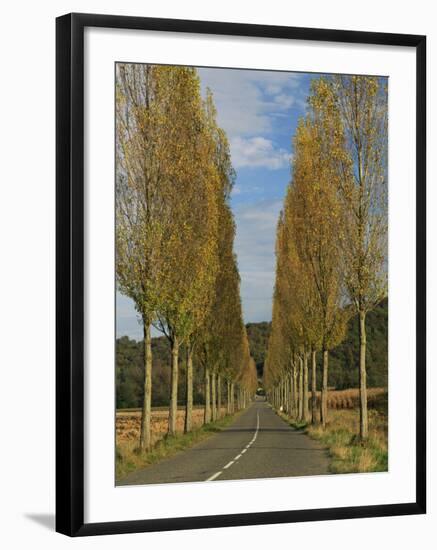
point(350, 398)
point(127, 424)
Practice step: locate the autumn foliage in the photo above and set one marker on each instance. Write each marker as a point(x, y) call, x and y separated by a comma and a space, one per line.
point(331, 244)
point(174, 236)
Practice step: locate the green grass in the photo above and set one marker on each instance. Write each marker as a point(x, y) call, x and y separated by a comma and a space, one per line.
point(348, 453)
point(129, 457)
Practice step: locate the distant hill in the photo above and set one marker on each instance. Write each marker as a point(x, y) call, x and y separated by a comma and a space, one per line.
point(343, 361)
point(129, 374)
point(258, 335)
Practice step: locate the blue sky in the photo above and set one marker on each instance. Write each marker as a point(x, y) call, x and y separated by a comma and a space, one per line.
point(259, 111)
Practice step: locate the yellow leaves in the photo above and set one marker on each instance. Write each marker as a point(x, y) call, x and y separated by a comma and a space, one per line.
point(332, 233)
point(364, 107)
point(175, 230)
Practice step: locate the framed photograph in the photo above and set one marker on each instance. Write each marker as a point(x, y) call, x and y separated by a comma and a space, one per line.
point(240, 274)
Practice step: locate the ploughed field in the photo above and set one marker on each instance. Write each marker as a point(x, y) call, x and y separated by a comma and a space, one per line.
point(350, 398)
point(128, 421)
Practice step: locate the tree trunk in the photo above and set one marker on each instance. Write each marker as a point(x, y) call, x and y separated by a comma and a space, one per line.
point(214, 396)
point(290, 394)
point(232, 399)
point(284, 394)
point(145, 439)
point(364, 421)
point(295, 392)
point(228, 396)
point(300, 388)
point(219, 396)
point(174, 387)
point(306, 411)
point(324, 396)
point(189, 397)
point(287, 393)
point(207, 415)
point(313, 387)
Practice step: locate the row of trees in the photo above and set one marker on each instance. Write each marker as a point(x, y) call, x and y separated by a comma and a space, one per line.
point(175, 233)
point(331, 245)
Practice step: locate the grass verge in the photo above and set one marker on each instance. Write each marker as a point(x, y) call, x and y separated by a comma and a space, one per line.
point(129, 458)
point(348, 453)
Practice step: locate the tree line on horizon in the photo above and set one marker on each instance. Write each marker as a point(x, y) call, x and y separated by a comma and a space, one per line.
point(331, 242)
point(175, 237)
point(342, 362)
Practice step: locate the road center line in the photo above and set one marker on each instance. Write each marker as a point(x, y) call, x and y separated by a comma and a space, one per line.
point(229, 464)
point(214, 476)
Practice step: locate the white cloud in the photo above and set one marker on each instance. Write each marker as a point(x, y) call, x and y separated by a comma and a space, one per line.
point(236, 190)
point(246, 99)
point(256, 294)
point(255, 249)
point(284, 101)
point(255, 235)
point(256, 152)
point(128, 322)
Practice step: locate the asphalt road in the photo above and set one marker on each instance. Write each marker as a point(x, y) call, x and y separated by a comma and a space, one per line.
point(258, 444)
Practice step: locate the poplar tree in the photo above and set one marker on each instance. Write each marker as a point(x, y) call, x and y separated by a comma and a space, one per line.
point(332, 235)
point(363, 107)
point(142, 123)
point(216, 339)
point(190, 253)
point(317, 221)
point(219, 156)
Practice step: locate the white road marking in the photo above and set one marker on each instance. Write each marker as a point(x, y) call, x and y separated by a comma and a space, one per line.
point(229, 464)
point(257, 427)
point(214, 476)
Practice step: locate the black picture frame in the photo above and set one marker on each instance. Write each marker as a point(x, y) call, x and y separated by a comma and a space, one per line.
point(70, 273)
